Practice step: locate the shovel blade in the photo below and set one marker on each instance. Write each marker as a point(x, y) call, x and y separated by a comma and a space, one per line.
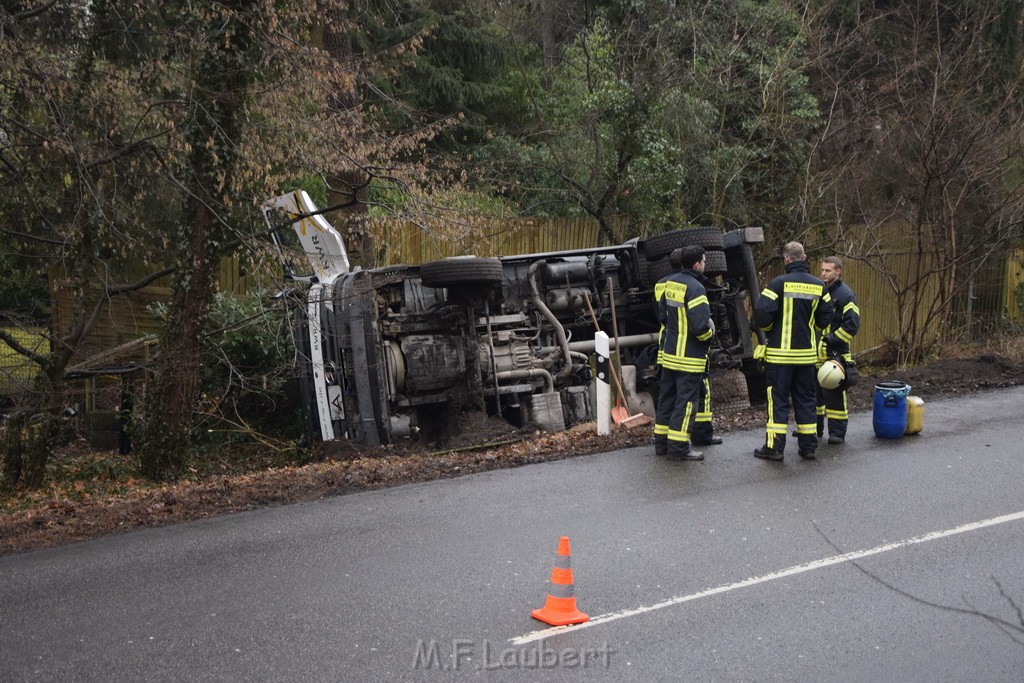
point(619, 414)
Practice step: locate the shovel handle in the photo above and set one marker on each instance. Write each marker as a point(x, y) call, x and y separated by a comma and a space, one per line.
point(615, 325)
point(611, 366)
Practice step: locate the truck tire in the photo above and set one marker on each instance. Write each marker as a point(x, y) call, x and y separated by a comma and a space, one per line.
point(461, 270)
point(657, 246)
point(715, 263)
point(657, 270)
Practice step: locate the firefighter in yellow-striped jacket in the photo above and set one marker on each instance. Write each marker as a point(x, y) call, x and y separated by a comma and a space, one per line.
point(703, 431)
point(836, 340)
point(686, 331)
point(792, 310)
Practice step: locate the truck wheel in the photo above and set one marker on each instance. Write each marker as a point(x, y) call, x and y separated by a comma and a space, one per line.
point(661, 245)
point(715, 263)
point(461, 270)
point(657, 270)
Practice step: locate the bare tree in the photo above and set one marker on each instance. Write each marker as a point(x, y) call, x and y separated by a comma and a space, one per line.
point(223, 77)
point(923, 149)
point(75, 143)
point(123, 156)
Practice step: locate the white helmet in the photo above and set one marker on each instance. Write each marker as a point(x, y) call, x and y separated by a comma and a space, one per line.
point(831, 374)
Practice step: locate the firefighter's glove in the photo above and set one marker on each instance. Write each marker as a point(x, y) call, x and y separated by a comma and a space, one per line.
point(711, 324)
point(852, 374)
point(760, 351)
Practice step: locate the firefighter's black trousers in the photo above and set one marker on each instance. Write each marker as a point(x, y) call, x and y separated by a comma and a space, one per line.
point(832, 405)
point(796, 382)
point(677, 408)
point(703, 430)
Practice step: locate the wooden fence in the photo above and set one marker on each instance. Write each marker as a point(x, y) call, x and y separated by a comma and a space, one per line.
point(879, 304)
point(408, 242)
point(995, 296)
point(133, 315)
point(985, 302)
point(1012, 288)
point(989, 299)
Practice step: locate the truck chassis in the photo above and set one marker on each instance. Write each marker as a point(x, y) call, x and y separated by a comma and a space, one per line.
point(406, 351)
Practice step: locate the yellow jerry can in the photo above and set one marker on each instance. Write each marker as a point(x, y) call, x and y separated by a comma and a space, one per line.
point(915, 415)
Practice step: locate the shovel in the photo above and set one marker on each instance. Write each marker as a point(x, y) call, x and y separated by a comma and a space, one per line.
point(619, 413)
point(627, 420)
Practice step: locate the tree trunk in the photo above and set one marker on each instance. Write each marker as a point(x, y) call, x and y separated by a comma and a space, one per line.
point(175, 391)
point(349, 184)
point(549, 32)
point(605, 229)
point(14, 447)
point(43, 436)
point(225, 72)
point(338, 43)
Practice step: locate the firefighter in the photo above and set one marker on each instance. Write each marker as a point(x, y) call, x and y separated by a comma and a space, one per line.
point(835, 343)
point(792, 310)
point(703, 432)
point(686, 331)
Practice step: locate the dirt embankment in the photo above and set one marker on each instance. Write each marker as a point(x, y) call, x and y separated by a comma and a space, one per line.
point(61, 519)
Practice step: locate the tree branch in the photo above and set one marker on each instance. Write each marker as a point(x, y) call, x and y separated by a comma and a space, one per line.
point(138, 145)
point(34, 11)
point(36, 358)
point(33, 238)
point(138, 284)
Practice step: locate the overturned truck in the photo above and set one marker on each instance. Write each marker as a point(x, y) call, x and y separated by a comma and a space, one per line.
point(407, 351)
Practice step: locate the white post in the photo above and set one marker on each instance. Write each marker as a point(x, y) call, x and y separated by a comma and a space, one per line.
point(604, 389)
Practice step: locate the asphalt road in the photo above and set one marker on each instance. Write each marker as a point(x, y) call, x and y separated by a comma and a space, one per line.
point(730, 569)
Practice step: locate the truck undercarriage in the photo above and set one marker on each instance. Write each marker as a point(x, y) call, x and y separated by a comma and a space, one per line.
point(404, 351)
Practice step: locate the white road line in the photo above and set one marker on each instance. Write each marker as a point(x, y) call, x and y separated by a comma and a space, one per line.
point(791, 571)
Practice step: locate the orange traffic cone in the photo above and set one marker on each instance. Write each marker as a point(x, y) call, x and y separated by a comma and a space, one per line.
point(560, 608)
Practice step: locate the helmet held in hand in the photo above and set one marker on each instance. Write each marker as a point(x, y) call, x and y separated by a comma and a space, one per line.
point(831, 374)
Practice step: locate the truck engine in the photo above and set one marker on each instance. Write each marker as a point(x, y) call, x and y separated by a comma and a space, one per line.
point(406, 351)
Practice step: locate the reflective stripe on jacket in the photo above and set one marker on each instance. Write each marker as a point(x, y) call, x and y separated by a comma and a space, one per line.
point(846, 318)
point(685, 317)
point(791, 310)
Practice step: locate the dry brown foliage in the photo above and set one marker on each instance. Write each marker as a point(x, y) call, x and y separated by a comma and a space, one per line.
point(71, 511)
